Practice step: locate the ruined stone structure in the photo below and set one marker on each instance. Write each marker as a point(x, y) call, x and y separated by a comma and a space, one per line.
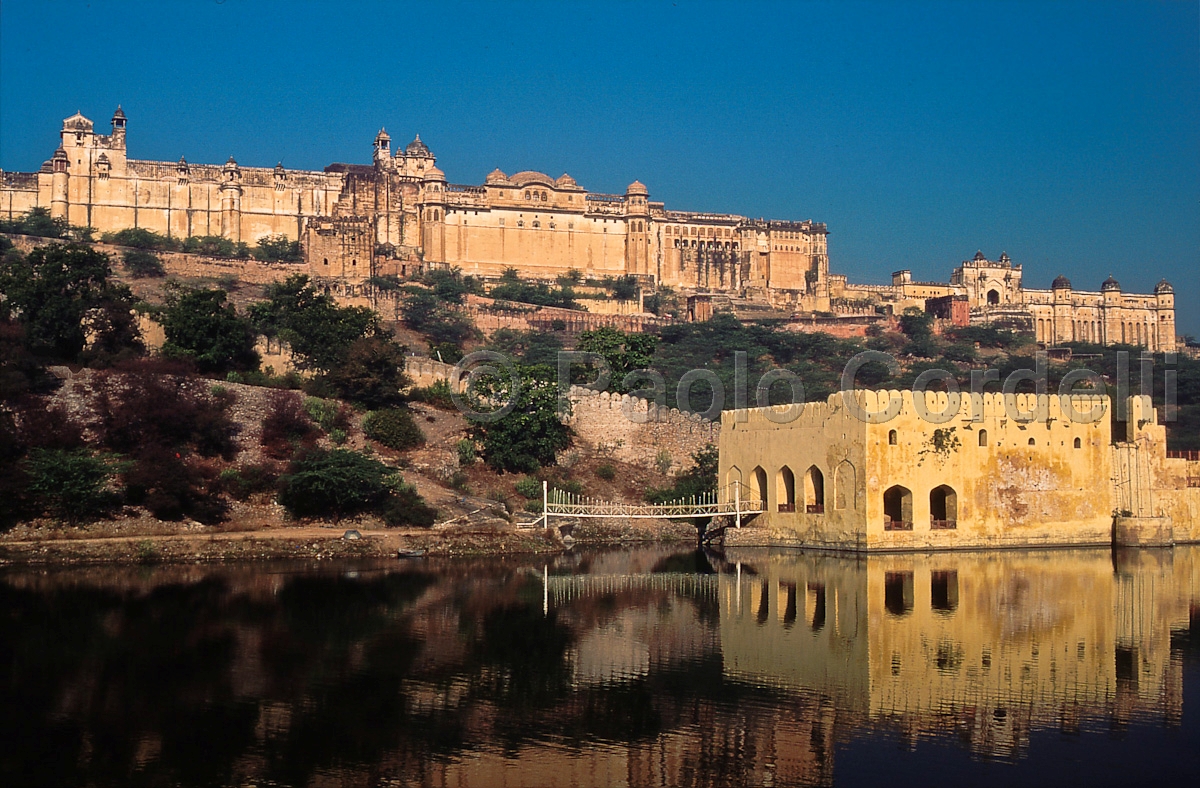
point(895, 470)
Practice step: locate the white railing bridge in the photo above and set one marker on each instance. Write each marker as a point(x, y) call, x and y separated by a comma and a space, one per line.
point(726, 501)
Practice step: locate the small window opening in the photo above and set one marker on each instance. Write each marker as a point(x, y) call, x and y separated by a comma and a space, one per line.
point(892, 437)
point(983, 438)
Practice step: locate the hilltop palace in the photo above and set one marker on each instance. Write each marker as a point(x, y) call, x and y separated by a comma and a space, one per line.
point(398, 215)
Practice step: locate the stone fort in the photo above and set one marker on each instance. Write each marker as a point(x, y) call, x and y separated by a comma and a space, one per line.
point(399, 215)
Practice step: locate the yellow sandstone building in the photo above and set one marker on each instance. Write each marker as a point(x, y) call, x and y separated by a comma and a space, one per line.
point(399, 215)
point(890, 470)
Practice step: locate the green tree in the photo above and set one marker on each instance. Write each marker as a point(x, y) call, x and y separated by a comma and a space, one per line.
point(425, 312)
point(278, 248)
point(531, 434)
point(51, 291)
point(450, 285)
point(113, 327)
point(142, 264)
point(513, 288)
point(317, 329)
point(371, 374)
point(71, 484)
point(37, 222)
point(214, 246)
point(202, 326)
point(623, 352)
point(335, 483)
point(141, 238)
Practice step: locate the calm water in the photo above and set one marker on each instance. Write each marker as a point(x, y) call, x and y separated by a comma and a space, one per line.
point(646, 668)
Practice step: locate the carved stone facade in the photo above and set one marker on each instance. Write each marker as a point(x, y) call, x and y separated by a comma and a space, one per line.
point(398, 215)
point(995, 295)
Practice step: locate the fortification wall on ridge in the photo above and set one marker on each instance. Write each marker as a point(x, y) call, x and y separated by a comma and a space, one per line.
point(636, 430)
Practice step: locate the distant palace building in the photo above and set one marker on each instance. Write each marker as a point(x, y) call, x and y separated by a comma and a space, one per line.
point(398, 215)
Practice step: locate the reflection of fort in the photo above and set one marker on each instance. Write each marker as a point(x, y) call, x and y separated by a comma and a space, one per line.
point(965, 642)
point(640, 668)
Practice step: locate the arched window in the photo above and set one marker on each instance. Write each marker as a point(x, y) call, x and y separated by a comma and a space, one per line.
point(354, 262)
point(758, 485)
point(814, 491)
point(892, 438)
point(983, 438)
point(1078, 443)
point(943, 507)
point(785, 489)
point(897, 509)
point(326, 261)
point(527, 194)
point(843, 486)
point(1033, 441)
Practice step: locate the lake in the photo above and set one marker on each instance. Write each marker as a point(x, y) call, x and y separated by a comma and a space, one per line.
point(644, 667)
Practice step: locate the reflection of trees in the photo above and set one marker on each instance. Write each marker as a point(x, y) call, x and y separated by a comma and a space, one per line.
point(229, 675)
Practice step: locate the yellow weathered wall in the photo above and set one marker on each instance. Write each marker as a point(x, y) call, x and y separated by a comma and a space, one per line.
point(1009, 492)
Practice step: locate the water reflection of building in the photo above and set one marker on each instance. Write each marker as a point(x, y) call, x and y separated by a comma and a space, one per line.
point(649, 676)
point(967, 643)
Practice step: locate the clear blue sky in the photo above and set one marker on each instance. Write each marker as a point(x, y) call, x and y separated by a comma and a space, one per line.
point(1067, 133)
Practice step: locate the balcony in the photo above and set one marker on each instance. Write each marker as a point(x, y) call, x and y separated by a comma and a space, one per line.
point(897, 525)
point(815, 508)
point(787, 507)
point(943, 525)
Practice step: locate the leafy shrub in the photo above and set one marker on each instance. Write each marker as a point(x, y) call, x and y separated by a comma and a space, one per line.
point(338, 436)
point(37, 222)
point(458, 481)
point(154, 403)
point(277, 248)
point(171, 486)
point(142, 264)
point(248, 480)
point(405, 506)
point(699, 479)
point(215, 246)
point(466, 452)
point(140, 238)
point(286, 426)
point(530, 487)
point(606, 472)
point(328, 414)
point(438, 394)
point(662, 461)
point(393, 428)
point(335, 483)
point(71, 484)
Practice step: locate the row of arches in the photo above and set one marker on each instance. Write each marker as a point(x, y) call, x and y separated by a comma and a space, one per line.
point(812, 486)
point(1133, 332)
